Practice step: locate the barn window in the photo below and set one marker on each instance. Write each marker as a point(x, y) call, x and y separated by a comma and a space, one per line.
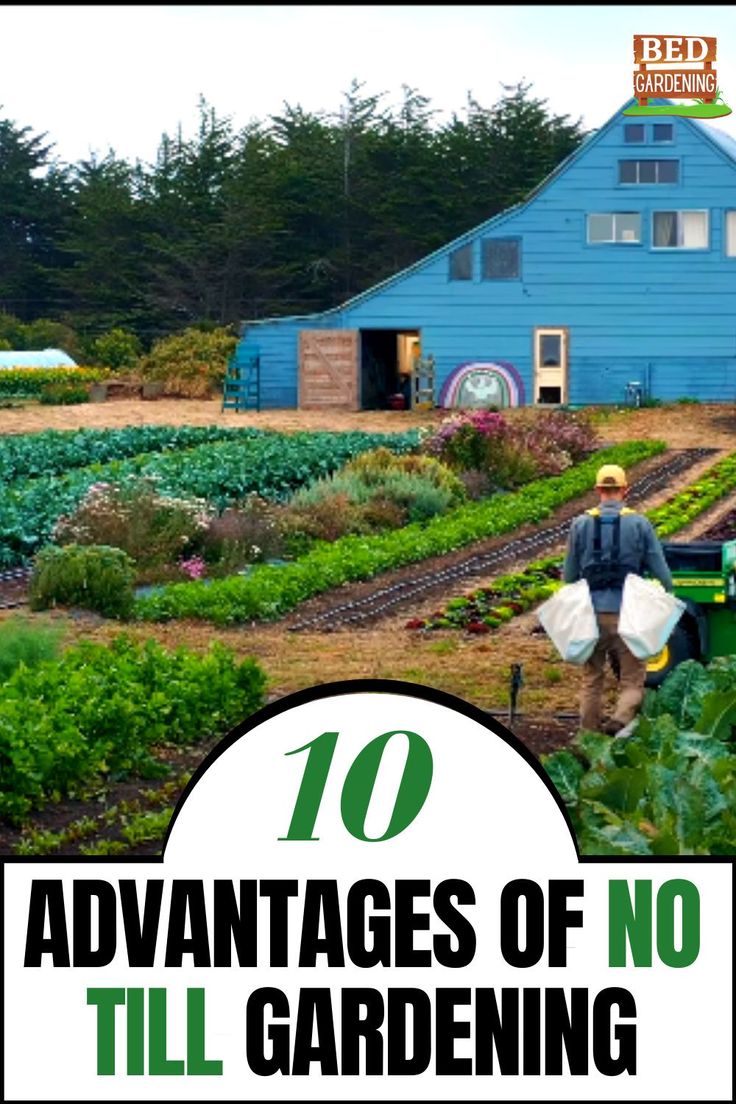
point(680, 229)
point(648, 172)
point(633, 132)
point(501, 258)
point(663, 132)
point(461, 263)
point(731, 233)
point(619, 226)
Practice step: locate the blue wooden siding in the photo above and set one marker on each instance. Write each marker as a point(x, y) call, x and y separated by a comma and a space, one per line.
point(666, 317)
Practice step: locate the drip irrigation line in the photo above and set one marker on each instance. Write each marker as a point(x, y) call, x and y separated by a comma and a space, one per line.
point(383, 601)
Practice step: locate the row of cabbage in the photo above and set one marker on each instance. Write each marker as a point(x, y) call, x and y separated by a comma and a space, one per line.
point(272, 465)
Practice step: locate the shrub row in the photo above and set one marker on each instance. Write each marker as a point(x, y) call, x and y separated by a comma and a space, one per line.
point(273, 464)
point(270, 591)
point(100, 709)
point(54, 451)
point(28, 383)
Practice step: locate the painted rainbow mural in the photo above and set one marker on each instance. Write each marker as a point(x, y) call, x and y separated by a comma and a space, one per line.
point(479, 383)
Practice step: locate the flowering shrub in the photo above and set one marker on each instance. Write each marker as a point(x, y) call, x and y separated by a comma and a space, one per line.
point(153, 530)
point(194, 567)
point(242, 535)
point(511, 453)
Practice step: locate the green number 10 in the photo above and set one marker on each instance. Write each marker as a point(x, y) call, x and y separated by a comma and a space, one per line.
point(358, 787)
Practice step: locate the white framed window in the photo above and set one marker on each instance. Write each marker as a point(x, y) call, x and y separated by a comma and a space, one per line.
point(679, 229)
point(649, 172)
point(731, 233)
point(616, 226)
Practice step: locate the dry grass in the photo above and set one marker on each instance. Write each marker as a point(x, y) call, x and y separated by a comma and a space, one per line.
point(32, 417)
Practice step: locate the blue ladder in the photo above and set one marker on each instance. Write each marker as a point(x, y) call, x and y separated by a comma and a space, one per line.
point(242, 387)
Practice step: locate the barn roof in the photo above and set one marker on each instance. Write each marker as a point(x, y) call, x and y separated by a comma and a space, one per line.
point(39, 358)
point(718, 138)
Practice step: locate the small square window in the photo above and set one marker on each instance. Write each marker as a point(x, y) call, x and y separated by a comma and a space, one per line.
point(663, 132)
point(633, 132)
point(501, 259)
point(461, 263)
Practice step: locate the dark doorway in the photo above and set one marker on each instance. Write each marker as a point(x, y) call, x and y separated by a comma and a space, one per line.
point(386, 358)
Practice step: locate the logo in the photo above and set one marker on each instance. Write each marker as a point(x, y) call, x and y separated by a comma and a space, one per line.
point(678, 67)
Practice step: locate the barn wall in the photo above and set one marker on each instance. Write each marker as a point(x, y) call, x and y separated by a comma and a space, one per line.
point(631, 311)
point(277, 341)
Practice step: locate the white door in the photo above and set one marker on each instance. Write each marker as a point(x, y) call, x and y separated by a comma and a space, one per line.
point(550, 364)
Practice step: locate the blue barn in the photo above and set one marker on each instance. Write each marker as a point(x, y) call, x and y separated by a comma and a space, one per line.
point(619, 268)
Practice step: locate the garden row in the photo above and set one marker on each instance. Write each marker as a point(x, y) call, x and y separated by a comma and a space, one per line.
point(488, 608)
point(99, 711)
point(269, 591)
point(53, 385)
point(670, 788)
point(53, 452)
point(220, 471)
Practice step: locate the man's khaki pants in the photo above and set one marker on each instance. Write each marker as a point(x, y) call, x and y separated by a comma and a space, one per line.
point(633, 674)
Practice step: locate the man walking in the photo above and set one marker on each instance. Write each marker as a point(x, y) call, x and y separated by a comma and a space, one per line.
point(604, 545)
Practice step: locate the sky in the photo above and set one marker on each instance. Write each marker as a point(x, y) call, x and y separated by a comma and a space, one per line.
point(102, 77)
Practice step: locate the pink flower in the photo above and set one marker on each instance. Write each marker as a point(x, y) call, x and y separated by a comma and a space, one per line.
point(194, 567)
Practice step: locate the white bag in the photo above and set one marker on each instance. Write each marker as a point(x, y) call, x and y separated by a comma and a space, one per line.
point(569, 620)
point(648, 616)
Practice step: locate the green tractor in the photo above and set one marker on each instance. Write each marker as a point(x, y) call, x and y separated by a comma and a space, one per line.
point(704, 575)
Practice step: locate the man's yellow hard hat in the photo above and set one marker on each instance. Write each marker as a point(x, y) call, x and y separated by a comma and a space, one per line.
point(611, 475)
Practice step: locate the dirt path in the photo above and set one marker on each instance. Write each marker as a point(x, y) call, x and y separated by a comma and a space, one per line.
point(32, 418)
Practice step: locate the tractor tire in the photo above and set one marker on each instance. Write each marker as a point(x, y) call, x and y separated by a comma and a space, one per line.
point(679, 647)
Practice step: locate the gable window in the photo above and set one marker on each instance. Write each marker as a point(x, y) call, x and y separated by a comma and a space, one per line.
point(663, 132)
point(501, 258)
point(648, 172)
point(731, 233)
point(619, 226)
point(633, 132)
point(680, 229)
point(461, 263)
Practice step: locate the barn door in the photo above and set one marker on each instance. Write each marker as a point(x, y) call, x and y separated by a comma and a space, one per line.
point(550, 365)
point(328, 369)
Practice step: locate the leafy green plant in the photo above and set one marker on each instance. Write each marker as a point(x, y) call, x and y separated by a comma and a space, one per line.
point(99, 710)
point(94, 577)
point(53, 452)
point(117, 349)
point(63, 394)
point(24, 641)
point(670, 788)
